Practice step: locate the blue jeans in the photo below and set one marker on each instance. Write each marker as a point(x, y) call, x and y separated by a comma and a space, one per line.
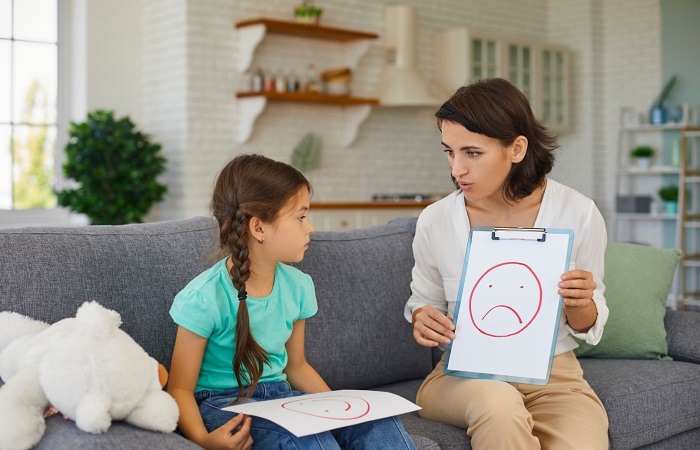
point(385, 434)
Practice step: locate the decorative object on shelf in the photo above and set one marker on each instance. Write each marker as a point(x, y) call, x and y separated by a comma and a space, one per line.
point(337, 81)
point(642, 155)
point(307, 153)
point(639, 204)
point(669, 195)
point(657, 113)
point(308, 13)
point(116, 167)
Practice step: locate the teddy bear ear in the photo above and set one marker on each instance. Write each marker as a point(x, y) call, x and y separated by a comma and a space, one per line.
point(96, 315)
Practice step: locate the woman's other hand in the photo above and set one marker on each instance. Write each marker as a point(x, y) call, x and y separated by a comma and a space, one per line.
point(431, 327)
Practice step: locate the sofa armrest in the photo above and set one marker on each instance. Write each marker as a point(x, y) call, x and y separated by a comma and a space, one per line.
point(683, 335)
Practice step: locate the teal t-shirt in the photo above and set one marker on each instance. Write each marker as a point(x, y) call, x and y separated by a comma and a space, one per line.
point(208, 306)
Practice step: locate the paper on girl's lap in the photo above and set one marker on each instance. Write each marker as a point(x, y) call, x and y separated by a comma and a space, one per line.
point(315, 413)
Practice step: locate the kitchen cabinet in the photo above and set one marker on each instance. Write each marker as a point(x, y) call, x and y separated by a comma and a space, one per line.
point(251, 104)
point(539, 69)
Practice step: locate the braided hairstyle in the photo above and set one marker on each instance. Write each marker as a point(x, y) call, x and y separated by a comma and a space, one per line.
point(496, 108)
point(249, 186)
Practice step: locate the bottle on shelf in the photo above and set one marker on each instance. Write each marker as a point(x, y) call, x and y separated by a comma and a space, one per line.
point(312, 83)
point(257, 80)
point(270, 84)
point(292, 82)
point(280, 82)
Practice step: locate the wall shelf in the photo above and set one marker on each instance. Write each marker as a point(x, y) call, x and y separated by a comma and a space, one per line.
point(252, 32)
point(251, 104)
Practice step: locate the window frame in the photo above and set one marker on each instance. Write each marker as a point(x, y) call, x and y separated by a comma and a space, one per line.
point(70, 40)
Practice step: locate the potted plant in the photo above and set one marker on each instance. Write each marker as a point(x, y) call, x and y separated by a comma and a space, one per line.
point(115, 167)
point(642, 155)
point(308, 13)
point(669, 195)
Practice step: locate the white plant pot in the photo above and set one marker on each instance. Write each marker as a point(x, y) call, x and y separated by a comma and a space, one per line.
point(643, 163)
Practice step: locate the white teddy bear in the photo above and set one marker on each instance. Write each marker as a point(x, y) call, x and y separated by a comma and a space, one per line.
point(86, 367)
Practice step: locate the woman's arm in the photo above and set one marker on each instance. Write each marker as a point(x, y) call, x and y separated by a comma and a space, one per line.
point(184, 372)
point(300, 375)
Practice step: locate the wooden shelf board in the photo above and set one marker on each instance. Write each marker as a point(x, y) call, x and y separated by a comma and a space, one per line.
point(310, 98)
point(308, 31)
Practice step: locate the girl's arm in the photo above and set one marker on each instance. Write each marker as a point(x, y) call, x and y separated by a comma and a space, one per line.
point(300, 375)
point(184, 372)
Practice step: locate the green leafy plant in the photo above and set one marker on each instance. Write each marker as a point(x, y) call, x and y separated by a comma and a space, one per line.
point(308, 13)
point(669, 193)
point(307, 153)
point(116, 168)
point(642, 151)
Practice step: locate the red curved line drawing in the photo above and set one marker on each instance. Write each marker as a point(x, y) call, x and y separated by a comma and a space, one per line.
point(471, 299)
point(288, 406)
point(507, 307)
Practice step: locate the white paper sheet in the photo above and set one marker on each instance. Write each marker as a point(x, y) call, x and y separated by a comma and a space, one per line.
point(314, 413)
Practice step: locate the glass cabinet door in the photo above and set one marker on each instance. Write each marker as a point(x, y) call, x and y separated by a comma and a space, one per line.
point(519, 69)
point(484, 58)
point(554, 98)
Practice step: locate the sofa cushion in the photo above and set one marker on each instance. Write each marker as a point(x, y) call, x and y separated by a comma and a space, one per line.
point(359, 338)
point(47, 273)
point(637, 282)
point(646, 401)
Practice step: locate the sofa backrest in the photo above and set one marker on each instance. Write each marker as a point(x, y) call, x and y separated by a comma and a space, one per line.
point(359, 338)
point(47, 273)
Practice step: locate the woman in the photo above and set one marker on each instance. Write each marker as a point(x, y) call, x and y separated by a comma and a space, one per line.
point(500, 155)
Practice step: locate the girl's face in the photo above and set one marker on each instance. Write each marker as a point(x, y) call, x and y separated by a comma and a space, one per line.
point(287, 238)
point(480, 164)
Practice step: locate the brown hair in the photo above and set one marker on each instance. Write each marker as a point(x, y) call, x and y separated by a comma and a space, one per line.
point(496, 108)
point(249, 186)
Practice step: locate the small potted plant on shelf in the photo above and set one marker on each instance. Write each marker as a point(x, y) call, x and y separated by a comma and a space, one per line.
point(642, 155)
point(669, 195)
point(308, 13)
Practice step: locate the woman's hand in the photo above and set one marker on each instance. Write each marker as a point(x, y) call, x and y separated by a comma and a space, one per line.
point(431, 327)
point(233, 435)
point(576, 287)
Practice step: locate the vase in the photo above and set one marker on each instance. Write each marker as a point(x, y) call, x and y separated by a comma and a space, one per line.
point(670, 207)
point(657, 115)
point(642, 163)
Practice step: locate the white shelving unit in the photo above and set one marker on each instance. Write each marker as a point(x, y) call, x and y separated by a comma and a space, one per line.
point(689, 220)
point(354, 44)
point(650, 224)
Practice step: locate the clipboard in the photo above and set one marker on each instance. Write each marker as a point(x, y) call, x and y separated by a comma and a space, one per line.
point(508, 307)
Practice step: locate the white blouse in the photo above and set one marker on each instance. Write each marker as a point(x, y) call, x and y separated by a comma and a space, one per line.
point(440, 244)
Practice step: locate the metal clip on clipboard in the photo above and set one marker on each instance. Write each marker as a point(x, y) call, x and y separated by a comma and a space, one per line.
point(520, 234)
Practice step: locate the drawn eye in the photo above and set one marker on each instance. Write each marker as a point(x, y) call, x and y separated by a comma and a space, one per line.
point(490, 285)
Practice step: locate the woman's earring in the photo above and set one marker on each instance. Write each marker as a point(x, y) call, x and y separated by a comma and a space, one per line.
point(262, 241)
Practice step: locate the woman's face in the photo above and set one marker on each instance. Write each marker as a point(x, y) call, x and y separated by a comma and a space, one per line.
point(480, 164)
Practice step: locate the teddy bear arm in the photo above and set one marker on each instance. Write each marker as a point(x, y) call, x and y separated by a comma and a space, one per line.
point(22, 406)
point(92, 413)
point(157, 411)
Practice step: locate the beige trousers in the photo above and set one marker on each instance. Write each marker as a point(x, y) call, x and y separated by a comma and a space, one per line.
point(564, 414)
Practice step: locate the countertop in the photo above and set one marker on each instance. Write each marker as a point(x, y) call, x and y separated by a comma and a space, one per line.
point(371, 204)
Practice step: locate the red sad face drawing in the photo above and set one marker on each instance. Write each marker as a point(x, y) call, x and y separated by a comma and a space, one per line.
point(338, 407)
point(505, 299)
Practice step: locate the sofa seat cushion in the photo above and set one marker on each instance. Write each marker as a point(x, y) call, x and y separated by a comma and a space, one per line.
point(64, 435)
point(359, 338)
point(646, 400)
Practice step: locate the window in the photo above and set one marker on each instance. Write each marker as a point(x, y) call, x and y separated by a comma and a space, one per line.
point(28, 105)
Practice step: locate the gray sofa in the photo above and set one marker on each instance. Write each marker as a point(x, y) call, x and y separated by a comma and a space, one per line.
point(358, 339)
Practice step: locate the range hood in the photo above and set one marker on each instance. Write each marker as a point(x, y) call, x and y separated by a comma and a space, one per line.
point(401, 84)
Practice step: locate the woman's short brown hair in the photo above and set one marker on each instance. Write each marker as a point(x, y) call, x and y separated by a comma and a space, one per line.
point(496, 108)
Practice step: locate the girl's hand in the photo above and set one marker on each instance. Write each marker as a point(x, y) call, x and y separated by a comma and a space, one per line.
point(431, 327)
point(233, 435)
point(577, 286)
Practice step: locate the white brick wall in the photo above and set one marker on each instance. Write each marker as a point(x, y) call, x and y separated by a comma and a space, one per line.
point(190, 80)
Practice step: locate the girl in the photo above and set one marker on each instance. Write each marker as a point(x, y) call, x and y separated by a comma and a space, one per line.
point(500, 155)
point(241, 323)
